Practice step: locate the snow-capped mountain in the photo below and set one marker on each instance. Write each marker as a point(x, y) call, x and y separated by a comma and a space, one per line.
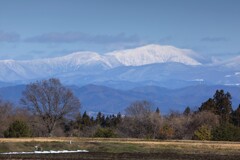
point(165, 66)
point(92, 62)
point(12, 70)
point(116, 79)
point(154, 54)
point(231, 63)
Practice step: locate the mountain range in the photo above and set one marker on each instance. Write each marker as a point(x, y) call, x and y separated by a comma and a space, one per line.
point(92, 63)
point(164, 66)
point(161, 74)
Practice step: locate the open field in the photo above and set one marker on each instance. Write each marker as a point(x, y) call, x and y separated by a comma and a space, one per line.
point(121, 148)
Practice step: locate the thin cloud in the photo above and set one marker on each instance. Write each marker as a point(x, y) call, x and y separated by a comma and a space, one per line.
point(9, 36)
point(214, 39)
point(72, 37)
point(227, 54)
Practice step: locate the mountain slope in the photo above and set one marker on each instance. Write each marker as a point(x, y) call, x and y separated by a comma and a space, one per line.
point(232, 63)
point(169, 75)
point(26, 70)
point(154, 54)
point(100, 98)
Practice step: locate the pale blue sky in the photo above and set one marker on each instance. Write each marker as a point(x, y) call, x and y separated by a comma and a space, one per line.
point(48, 28)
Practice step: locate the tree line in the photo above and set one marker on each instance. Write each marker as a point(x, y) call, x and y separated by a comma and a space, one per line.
point(50, 109)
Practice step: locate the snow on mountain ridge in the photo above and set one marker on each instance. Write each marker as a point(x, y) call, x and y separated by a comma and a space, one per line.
point(92, 62)
point(154, 54)
point(76, 58)
point(233, 63)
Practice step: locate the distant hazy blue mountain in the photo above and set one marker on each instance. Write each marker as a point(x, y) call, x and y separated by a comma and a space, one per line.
point(12, 93)
point(100, 98)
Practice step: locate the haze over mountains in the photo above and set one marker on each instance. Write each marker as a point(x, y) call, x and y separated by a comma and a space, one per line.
point(121, 72)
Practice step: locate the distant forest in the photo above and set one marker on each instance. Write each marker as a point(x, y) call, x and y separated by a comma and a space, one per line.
point(50, 109)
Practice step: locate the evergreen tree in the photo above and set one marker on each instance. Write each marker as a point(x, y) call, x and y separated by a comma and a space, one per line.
point(115, 120)
point(119, 117)
point(158, 111)
point(220, 104)
point(98, 118)
point(226, 132)
point(86, 121)
point(108, 121)
point(187, 111)
point(223, 104)
point(236, 117)
point(209, 105)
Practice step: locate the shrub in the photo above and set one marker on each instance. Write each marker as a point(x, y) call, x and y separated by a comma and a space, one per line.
point(203, 133)
point(18, 129)
point(166, 132)
point(105, 133)
point(226, 132)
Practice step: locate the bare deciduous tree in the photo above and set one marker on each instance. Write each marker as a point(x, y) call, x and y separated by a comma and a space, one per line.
point(139, 109)
point(50, 101)
point(175, 125)
point(140, 121)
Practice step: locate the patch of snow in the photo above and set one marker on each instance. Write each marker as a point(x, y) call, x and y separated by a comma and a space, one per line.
point(47, 152)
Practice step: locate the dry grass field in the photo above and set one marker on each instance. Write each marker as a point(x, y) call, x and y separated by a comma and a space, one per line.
point(130, 148)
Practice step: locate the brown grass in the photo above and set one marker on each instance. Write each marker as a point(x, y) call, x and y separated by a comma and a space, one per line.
point(179, 143)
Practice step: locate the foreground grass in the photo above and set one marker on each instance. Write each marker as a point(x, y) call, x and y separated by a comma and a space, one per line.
point(129, 148)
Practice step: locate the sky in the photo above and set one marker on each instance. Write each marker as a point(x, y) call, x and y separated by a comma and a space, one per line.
point(32, 29)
